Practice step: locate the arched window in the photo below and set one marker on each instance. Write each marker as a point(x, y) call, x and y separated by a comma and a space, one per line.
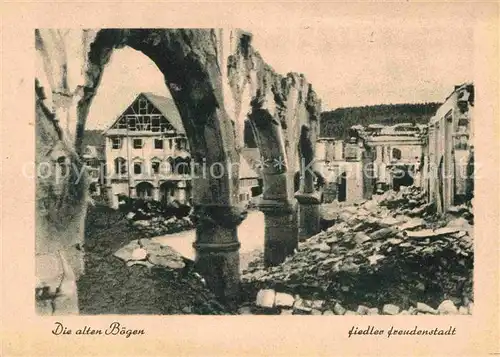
point(170, 165)
point(120, 166)
point(396, 154)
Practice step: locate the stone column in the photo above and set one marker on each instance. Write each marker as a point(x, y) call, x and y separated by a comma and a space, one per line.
point(217, 249)
point(132, 192)
point(281, 230)
point(308, 199)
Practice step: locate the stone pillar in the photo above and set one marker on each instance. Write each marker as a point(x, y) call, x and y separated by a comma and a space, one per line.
point(132, 192)
point(181, 191)
point(217, 249)
point(156, 193)
point(280, 237)
point(309, 199)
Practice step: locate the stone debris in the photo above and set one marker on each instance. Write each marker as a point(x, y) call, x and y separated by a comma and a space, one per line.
point(328, 312)
point(424, 308)
point(150, 254)
point(245, 310)
point(362, 310)
point(390, 309)
point(153, 218)
point(144, 263)
point(265, 298)
point(377, 252)
point(339, 309)
point(447, 307)
point(139, 254)
point(283, 300)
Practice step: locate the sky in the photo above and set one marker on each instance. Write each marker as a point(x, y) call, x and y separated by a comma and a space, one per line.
point(349, 63)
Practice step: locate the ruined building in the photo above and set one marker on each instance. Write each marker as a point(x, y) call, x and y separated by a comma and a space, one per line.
point(450, 150)
point(347, 166)
point(218, 82)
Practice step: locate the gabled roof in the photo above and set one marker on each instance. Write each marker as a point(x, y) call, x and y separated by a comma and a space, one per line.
point(166, 106)
point(168, 109)
point(246, 171)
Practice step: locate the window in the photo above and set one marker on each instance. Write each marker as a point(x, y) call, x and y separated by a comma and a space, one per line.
point(143, 106)
point(116, 143)
point(155, 167)
point(396, 154)
point(155, 123)
point(138, 143)
point(159, 144)
point(120, 166)
point(170, 143)
point(137, 168)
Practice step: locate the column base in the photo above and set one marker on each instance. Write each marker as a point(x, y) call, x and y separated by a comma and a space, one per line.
point(219, 264)
point(281, 231)
point(217, 250)
point(309, 214)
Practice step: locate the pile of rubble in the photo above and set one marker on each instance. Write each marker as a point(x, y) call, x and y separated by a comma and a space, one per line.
point(270, 302)
point(157, 226)
point(150, 253)
point(375, 255)
point(152, 218)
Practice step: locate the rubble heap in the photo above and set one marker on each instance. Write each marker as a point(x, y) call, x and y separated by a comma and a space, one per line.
point(376, 255)
point(152, 218)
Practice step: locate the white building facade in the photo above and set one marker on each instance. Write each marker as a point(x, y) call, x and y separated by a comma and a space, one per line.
point(147, 154)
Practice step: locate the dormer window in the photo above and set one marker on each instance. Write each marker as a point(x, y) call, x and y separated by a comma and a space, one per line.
point(143, 106)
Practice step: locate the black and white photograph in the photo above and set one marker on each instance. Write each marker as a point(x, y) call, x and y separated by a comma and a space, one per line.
point(183, 174)
point(327, 162)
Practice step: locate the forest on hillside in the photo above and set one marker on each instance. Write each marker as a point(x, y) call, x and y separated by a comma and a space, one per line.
point(337, 122)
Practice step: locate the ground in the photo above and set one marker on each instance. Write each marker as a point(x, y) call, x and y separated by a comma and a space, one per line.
point(110, 287)
point(367, 258)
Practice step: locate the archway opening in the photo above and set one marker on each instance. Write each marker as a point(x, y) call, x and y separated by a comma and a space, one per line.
point(401, 177)
point(144, 190)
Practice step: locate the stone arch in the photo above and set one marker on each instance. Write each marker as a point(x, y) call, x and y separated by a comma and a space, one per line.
point(208, 93)
point(167, 191)
point(144, 189)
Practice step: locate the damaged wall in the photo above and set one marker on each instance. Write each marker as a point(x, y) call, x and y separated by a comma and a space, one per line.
point(215, 78)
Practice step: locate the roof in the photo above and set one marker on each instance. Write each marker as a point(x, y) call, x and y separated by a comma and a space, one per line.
point(245, 170)
point(95, 139)
point(166, 106)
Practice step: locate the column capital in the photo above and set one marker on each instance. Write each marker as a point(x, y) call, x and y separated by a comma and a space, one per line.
point(218, 215)
point(313, 198)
